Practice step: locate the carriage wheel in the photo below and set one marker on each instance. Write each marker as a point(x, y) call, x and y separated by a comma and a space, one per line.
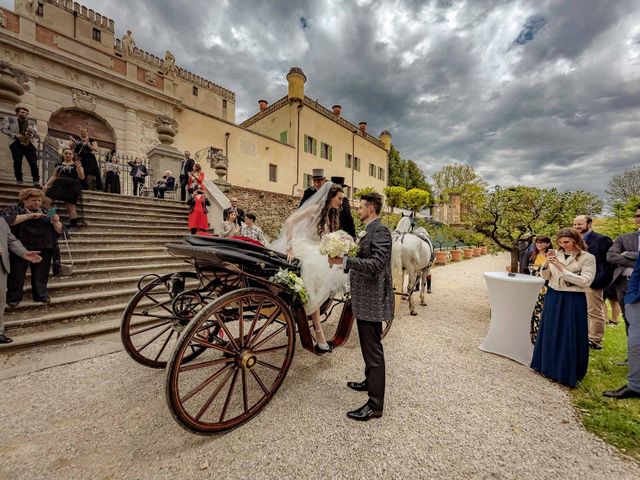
point(155, 316)
point(386, 326)
point(240, 371)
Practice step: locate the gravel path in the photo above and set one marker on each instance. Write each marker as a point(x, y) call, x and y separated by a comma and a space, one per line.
point(452, 412)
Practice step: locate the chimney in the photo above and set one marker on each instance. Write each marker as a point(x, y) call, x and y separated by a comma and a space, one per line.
point(263, 104)
point(363, 127)
point(336, 110)
point(296, 79)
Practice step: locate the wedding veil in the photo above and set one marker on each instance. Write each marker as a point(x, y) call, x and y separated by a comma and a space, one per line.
point(303, 223)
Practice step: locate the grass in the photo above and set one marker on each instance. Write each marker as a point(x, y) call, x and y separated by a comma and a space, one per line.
point(615, 421)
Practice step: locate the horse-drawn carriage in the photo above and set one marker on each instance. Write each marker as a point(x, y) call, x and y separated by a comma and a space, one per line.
point(226, 332)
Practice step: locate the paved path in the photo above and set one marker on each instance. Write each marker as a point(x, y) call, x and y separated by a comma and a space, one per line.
point(452, 412)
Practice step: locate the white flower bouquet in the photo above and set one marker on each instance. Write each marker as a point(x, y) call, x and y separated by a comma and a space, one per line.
point(338, 244)
point(292, 282)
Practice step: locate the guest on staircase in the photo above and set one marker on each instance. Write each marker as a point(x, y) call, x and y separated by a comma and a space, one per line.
point(113, 169)
point(86, 148)
point(9, 243)
point(24, 137)
point(240, 216)
point(198, 220)
point(166, 184)
point(138, 174)
point(39, 232)
point(196, 179)
point(64, 185)
point(186, 166)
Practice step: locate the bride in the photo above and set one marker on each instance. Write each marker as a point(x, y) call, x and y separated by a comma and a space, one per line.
point(300, 238)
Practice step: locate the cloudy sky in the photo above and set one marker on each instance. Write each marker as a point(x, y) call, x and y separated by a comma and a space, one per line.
point(536, 92)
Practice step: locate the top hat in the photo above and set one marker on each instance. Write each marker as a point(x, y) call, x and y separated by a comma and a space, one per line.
point(338, 181)
point(317, 173)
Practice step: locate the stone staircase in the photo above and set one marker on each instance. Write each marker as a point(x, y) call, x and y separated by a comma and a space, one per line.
point(120, 239)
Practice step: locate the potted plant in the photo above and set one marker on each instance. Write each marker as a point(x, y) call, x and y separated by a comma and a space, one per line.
point(441, 257)
point(476, 251)
point(484, 249)
point(456, 255)
point(467, 252)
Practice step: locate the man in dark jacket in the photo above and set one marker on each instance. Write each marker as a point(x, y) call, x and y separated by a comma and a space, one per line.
point(372, 301)
point(346, 220)
point(186, 166)
point(318, 179)
point(598, 245)
point(622, 255)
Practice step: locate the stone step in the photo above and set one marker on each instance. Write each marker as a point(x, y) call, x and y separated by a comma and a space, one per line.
point(91, 273)
point(61, 286)
point(120, 244)
point(99, 236)
point(140, 229)
point(119, 260)
point(112, 251)
point(135, 220)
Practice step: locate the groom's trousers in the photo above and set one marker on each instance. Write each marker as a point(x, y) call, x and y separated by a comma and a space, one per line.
point(370, 334)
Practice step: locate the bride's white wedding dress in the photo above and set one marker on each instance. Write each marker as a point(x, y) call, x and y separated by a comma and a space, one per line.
point(300, 233)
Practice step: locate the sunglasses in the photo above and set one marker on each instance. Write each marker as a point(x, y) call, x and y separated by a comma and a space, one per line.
point(637, 215)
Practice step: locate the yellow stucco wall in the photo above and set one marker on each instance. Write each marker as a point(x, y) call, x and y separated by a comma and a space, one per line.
point(249, 154)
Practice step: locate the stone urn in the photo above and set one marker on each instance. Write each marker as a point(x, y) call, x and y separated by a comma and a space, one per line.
point(167, 128)
point(468, 252)
point(484, 250)
point(476, 251)
point(456, 255)
point(12, 84)
point(441, 257)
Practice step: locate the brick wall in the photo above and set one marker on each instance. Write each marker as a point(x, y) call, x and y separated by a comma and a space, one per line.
point(271, 208)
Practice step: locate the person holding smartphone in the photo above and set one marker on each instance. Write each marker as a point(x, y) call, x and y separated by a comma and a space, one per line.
point(31, 224)
point(64, 185)
point(561, 352)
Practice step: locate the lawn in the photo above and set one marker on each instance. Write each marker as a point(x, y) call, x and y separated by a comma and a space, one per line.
point(615, 421)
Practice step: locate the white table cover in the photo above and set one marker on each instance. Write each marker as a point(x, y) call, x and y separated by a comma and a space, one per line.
point(512, 301)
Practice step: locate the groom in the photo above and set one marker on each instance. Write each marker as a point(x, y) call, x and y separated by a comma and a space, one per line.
point(372, 301)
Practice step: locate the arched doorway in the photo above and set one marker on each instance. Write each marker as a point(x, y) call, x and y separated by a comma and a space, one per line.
point(68, 121)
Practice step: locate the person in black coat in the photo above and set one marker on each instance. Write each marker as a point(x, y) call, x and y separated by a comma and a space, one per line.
point(318, 179)
point(186, 166)
point(240, 215)
point(597, 245)
point(346, 219)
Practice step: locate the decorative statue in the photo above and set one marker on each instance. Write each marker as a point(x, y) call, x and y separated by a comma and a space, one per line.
point(3, 19)
point(170, 68)
point(128, 44)
point(30, 6)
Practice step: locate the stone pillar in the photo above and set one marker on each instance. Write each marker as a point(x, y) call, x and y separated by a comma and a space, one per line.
point(455, 207)
point(129, 144)
point(13, 84)
point(165, 156)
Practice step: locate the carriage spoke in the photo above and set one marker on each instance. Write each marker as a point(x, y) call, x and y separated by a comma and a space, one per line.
point(146, 329)
point(229, 395)
point(203, 384)
point(245, 402)
point(194, 366)
point(264, 340)
point(271, 349)
point(269, 321)
point(255, 319)
point(215, 393)
point(226, 330)
point(264, 389)
point(154, 339)
point(241, 323)
point(163, 346)
point(207, 344)
point(159, 304)
point(268, 365)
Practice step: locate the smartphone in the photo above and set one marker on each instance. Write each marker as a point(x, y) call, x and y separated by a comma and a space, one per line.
point(551, 252)
point(51, 212)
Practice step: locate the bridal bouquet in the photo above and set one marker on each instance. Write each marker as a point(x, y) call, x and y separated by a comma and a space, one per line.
point(338, 244)
point(292, 282)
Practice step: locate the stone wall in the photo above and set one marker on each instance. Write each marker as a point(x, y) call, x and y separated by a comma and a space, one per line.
point(270, 208)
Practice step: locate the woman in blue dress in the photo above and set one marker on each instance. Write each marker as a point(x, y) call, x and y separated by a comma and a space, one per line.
point(561, 352)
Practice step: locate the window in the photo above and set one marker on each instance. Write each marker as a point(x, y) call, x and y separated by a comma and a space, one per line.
point(224, 104)
point(307, 181)
point(357, 164)
point(347, 191)
point(380, 173)
point(273, 172)
point(372, 170)
point(326, 151)
point(310, 145)
point(283, 137)
point(355, 191)
point(347, 160)
point(194, 90)
point(96, 34)
point(40, 10)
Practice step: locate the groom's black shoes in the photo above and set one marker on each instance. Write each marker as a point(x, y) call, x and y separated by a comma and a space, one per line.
point(621, 393)
point(364, 413)
point(358, 386)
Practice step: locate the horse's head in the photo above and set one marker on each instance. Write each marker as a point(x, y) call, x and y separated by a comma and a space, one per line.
point(405, 225)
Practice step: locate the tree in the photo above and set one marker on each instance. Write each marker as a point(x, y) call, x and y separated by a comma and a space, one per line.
point(394, 196)
point(624, 186)
point(416, 199)
point(460, 179)
point(508, 215)
point(364, 191)
point(405, 173)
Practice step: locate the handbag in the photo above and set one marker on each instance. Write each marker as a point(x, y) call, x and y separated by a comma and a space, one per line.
point(65, 268)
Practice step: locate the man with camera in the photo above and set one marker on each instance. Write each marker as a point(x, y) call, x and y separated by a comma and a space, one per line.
point(24, 134)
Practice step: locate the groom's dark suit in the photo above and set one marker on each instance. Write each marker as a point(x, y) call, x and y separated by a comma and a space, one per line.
point(372, 301)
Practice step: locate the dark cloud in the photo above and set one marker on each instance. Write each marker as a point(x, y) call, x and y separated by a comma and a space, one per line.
point(541, 92)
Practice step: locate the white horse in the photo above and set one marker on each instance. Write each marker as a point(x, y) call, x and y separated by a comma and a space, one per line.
point(412, 254)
